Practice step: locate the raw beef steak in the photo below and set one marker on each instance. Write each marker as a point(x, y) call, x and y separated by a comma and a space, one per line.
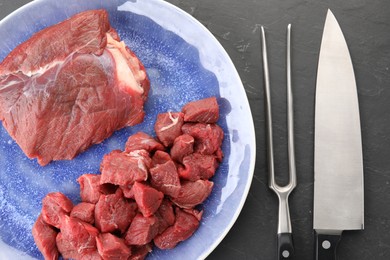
point(69, 86)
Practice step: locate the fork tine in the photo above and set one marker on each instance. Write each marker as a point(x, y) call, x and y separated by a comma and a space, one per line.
point(290, 115)
point(270, 148)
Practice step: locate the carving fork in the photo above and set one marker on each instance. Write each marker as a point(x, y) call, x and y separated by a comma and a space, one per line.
point(285, 245)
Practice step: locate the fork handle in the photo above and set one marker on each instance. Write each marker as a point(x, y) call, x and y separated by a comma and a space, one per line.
point(285, 246)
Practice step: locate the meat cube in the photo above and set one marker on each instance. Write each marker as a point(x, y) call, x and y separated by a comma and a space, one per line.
point(208, 137)
point(140, 252)
point(193, 193)
point(203, 111)
point(76, 239)
point(196, 213)
point(142, 141)
point(160, 157)
point(128, 191)
point(164, 177)
point(107, 188)
point(93, 255)
point(45, 238)
point(75, 83)
point(165, 215)
point(84, 211)
point(123, 169)
point(142, 155)
point(55, 206)
point(142, 230)
point(168, 127)
point(148, 199)
point(112, 247)
point(185, 225)
point(182, 146)
point(89, 187)
point(114, 213)
point(198, 166)
point(219, 155)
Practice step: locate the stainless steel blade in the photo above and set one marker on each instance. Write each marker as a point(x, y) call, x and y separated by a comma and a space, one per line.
point(338, 162)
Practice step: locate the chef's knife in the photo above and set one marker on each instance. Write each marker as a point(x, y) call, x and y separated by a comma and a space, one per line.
point(338, 162)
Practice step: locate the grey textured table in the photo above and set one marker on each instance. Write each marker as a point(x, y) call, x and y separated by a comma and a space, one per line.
point(236, 24)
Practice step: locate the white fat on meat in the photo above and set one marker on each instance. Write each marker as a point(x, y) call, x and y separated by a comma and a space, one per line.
point(124, 62)
point(174, 122)
point(137, 155)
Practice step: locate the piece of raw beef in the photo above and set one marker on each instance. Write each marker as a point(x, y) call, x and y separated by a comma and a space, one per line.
point(69, 86)
point(112, 247)
point(45, 238)
point(185, 225)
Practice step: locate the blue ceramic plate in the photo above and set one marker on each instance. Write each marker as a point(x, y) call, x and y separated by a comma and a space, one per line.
point(184, 62)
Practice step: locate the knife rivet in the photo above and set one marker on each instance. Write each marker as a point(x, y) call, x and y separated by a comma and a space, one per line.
point(325, 244)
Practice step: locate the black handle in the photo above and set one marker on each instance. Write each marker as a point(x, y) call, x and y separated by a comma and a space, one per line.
point(285, 246)
point(326, 246)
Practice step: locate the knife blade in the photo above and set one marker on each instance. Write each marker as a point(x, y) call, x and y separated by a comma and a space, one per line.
point(338, 159)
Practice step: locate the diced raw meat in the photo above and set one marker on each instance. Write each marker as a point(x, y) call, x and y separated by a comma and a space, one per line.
point(193, 193)
point(185, 225)
point(114, 213)
point(89, 187)
point(168, 127)
point(76, 238)
point(84, 211)
point(127, 191)
point(69, 86)
point(112, 247)
point(196, 213)
point(165, 178)
point(148, 199)
point(219, 155)
point(159, 208)
point(182, 146)
point(203, 111)
point(123, 169)
point(160, 157)
point(140, 252)
point(45, 238)
point(198, 166)
point(94, 255)
point(142, 141)
point(208, 137)
point(165, 215)
point(54, 206)
point(142, 230)
point(142, 155)
point(107, 188)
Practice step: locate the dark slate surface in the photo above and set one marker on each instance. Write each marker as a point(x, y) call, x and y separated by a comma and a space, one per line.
point(236, 24)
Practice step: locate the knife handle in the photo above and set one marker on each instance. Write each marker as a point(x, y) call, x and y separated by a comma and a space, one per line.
point(285, 246)
point(326, 246)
